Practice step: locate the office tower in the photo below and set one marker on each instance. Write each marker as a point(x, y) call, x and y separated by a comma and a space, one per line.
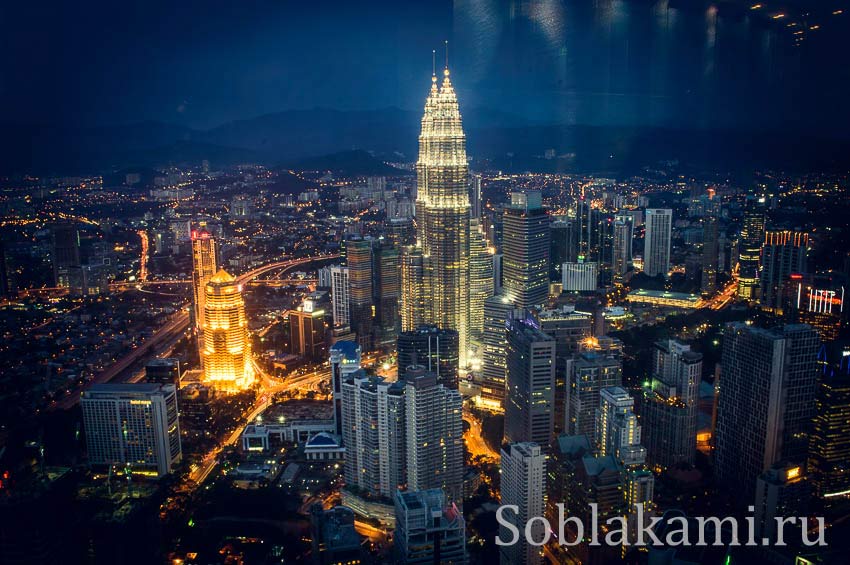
point(400, 231)
point(204, 266)
point(605, 254)
point(669, 408)
point(358, 253)
point(708, 284)
point(530, 384)
point(481, 284)
point(307, 331)
point(65, 255)
point(817, 301)
point(373, 432)
point(829, 442)
point(656, 250)
point(497, 273)
point(617, 428)
point(442, 209)
point(562, 245)
point(523, 468)
point(766, 400)
point(429, 529)
point(525, 248)
point(434, 435)
point(412, 288)
point(569, 329)
point(133, 425)
point(344, 361)
point(749, 249)
point(580, 276)
point(783, 253)
point(387, 289)
point(226, 359)
point(781, 491)
point(497, 311)
point(475, 196)
point(587, 374)
point(622, 252)
point(164, 371)
point(432, 348)
point(333, 536)
point(340, 293)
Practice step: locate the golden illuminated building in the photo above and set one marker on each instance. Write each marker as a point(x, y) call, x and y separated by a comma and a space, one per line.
point(203, 268)
point(225, 355)
point(442, 210)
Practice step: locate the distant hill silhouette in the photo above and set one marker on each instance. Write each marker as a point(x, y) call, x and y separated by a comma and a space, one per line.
point(349, 163)
point(344, 139)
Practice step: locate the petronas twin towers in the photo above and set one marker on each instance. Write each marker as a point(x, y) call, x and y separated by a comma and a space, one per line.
point(436, 275)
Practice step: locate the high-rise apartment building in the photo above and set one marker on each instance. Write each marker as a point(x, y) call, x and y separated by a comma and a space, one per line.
point(587, 374)
point(523, 473)
point(530, 378)
point(433, 435)
point(132, 425)
point(225, 356)
point(373, 432)
point(429, 529)
point(340, 295)
point(497, 311)
point(617, 430)
point(525, 248)
point(656, 250)
point(344, 360)
point(766, 401)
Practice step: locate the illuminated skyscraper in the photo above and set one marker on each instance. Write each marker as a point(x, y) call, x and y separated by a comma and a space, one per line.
point(204, 266)
point(412, 304)
point(480, 281)
point(784, 252)
point(386, 290)
point(523, 479)
point(623, 235)
point(225, 355)
point(525, 245)
point(656, 250)
point(442, 210)
point(359, 257)
point(829, 448)
point(340, 291)
point(749, 249)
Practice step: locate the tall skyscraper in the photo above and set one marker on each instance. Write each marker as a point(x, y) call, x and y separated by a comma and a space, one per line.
point(226, 359)
point(783, 253)
point(412, 303)
point(65, 255)
point(525, 248)
point(829, 447)
point(523, 475)
point(442, 209)
point(588, 374)
point(481, 283)
point(373, 432)
point(475, 196)
point(307, 331)
point(387, 294)
point(749, 249)
point(497, 311)
point(433, 435)
point(530, 390)
point(204, 266)
point(359, 258)
point(563, 246)
point(623, 236)
point(429, 529)
point(708, 284)
point(344, 361)
point(340, 295)
point(669, 408)
point(656, 250)
point(766, 402)
point(432, 348)
point(134, 425)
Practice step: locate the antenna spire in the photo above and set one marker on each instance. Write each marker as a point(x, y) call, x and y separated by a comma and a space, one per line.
point(447, 54)
point(433, 62)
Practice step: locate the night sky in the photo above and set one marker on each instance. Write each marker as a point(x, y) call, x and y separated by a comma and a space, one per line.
point(205, 62)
